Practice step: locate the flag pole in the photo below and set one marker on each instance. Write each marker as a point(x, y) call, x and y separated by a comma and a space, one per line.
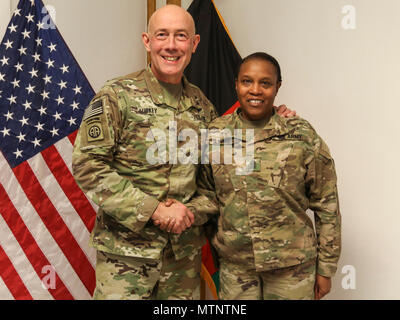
point(151, 7)
point(176, 2)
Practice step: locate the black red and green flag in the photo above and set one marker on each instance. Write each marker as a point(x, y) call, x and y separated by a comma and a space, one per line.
point(214, 64)
point(213, 69)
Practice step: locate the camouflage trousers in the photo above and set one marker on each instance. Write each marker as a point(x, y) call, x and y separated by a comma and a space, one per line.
point(291, 283)
point(129, 278)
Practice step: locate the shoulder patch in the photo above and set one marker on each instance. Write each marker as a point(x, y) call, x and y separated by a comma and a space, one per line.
point(324, 150)
point(94, 121)
point(94, 109)
point(94, 130)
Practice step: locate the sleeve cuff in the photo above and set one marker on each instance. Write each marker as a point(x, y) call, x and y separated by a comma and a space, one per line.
point(326, 269)
point(150, 205)
point(199, 218)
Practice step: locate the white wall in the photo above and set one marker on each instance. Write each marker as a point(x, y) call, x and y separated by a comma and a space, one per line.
point(4, 17)
point(345, 82)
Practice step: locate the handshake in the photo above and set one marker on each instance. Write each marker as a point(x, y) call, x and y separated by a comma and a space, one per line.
point(172, 216)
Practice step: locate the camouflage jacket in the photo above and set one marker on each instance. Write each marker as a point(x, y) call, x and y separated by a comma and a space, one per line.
point(110, 164)
point(263, 220)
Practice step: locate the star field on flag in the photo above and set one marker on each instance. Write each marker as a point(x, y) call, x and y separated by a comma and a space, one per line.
point(41, 86)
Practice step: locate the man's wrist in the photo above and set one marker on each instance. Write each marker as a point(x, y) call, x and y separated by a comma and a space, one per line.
point(155, 216)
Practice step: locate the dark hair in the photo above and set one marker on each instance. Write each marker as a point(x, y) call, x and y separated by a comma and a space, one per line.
point(261, 56)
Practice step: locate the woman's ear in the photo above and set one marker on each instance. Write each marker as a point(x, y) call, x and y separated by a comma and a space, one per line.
point(278, 86)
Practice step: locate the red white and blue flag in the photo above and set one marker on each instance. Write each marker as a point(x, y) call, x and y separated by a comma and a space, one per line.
point(45, 219)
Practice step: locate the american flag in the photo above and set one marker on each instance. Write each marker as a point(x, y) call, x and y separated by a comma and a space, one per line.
point(45, 219)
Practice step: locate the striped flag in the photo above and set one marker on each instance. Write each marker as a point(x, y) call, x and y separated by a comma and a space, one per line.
point(213, 66)
point(213, 69)
point(45, 220)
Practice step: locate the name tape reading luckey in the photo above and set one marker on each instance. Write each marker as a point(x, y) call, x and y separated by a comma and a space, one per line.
point(205, 309)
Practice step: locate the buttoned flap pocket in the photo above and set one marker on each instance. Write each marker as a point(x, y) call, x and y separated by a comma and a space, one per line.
point(223, 160)
point(273, 162)
point(193, 117)
point(223, 183)
point(144, 146)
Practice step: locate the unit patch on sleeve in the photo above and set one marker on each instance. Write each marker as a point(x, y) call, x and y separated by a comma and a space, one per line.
point(94, 129)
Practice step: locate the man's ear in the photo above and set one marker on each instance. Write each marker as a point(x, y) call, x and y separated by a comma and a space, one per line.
point(146, 41)
point(196, 42)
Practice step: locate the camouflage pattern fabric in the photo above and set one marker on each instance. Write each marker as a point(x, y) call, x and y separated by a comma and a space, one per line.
point(129, 278)
point(263, 222)
point(110, 165)
point(291, 283)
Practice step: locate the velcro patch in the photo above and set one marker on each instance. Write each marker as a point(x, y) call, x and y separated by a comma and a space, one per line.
point(94, 109)
point(94, 131)
point(257, 164)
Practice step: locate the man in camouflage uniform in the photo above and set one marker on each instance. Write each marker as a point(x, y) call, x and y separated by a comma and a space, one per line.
point(265, 240)
point(136, 259)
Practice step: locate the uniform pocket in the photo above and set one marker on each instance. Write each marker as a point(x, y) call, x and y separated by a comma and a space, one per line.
point(223, 183)
point(273, 164)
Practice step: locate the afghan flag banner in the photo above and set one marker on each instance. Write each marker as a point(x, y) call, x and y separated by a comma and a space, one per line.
point(213, 66)
point(213, 70)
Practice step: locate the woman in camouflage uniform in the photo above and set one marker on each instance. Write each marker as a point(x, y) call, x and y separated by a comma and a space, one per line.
point(266, 242)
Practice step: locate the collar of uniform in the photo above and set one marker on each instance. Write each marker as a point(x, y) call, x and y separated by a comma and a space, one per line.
point(154, 86)
point(276, 126)
point(189, 96)
point(157, 93)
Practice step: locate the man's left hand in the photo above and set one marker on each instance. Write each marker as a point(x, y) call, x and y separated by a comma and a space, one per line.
point(285, 112)
point(169, 225)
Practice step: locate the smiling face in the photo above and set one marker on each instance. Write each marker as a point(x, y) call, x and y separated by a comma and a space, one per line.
point(256, 87)
point(171, 41)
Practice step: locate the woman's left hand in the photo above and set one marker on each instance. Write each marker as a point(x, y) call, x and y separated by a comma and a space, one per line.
point(322, 286)
point(285, 112)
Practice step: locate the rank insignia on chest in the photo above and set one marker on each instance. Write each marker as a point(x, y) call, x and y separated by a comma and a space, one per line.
point(199, 117)
point(257, 164)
